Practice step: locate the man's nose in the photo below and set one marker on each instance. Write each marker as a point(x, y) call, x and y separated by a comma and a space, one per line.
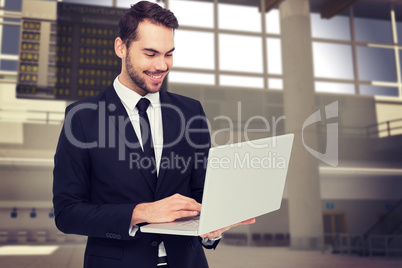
point(161, 64)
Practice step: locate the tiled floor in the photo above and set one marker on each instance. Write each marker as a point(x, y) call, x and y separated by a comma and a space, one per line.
point(283, 257)
point(71, 256)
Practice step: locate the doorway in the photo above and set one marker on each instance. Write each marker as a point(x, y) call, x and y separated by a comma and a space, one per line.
point(334, 223)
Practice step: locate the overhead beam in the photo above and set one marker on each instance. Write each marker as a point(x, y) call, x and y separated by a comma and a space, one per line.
point(333, 7)
point(270, 4)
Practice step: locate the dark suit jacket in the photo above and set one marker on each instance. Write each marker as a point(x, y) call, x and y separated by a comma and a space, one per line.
point(97, 182)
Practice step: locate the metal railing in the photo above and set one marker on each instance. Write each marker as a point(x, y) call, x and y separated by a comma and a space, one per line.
point(30, 116)
point(387, 127)
point(382, 129)
point(373, 245)
point(389, 223)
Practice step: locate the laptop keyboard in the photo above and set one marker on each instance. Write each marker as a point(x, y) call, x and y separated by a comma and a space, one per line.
point(193, 223)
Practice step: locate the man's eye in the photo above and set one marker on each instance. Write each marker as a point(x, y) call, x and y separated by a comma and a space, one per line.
point(149, 55)
point(169, 55)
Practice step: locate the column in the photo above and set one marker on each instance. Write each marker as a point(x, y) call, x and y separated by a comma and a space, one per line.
point(303, 183)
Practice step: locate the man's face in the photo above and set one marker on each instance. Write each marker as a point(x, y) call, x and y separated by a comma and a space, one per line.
point(148, 60)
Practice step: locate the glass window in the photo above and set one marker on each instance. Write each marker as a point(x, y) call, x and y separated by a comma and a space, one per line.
point(399, 32)
point(9, 65)
point(12, 20)
point(194, 50)
point(241, 81)
point(15, 5)
point(90, 2)
point(376, 64)
point(275, 83)
point(372, 20)
point(333, 60)
point(338, 27)
point(330, 87)
point(191, 78)
point(378, 90)
point(193, 13)
point(240, 53)
point(11, 39)
point(127, 3)
point(274, 54)
point(398, 18)
point(239, 18)
point(400, 60)
point(272, 22)
point(373, 31)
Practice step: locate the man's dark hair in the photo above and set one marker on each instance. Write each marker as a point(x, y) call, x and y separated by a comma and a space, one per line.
point(140, 12)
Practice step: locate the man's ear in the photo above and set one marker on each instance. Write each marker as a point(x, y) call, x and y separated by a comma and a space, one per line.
point(120, 48)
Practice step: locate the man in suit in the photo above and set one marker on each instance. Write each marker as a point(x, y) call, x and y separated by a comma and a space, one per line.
point(107, 182)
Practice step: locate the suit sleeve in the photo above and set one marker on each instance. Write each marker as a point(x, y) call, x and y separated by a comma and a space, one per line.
point(74, 213)
point(202, 143)
point(198, 176)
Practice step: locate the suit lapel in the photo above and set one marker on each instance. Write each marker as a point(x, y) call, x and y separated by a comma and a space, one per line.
point(171, 130)
point(127, 137)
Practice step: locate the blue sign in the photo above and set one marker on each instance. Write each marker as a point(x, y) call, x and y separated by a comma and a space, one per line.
point(388, 206)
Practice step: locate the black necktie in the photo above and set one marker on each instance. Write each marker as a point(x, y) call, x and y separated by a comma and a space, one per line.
point(146, 137)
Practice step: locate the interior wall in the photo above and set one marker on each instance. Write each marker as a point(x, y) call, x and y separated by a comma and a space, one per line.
point(359, 196)
point(353, 111)
point(388, 111)
point(9, 102)
point(360, 215)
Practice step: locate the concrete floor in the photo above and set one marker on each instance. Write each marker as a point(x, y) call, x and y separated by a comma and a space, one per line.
point(71, 256)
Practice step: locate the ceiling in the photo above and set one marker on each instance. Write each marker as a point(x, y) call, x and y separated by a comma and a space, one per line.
point(328, 8)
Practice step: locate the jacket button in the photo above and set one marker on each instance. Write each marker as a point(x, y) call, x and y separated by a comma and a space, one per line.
point(154, 243)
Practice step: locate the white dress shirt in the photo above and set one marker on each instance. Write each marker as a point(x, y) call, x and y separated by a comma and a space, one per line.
point(130, 98)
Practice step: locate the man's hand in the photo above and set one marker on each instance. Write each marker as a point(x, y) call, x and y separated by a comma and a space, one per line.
point(218, 233)
point(165, 210)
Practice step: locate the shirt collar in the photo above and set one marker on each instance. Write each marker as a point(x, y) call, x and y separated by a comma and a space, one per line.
point(130, 98)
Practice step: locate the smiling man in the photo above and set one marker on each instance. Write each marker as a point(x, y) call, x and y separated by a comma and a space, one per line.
point(146, 63)
point(97, 190)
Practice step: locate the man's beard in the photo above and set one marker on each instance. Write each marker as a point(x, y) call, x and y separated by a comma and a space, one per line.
point(136, 79)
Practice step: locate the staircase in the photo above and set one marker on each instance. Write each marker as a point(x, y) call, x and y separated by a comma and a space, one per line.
point(384, 238)
point(389, 224)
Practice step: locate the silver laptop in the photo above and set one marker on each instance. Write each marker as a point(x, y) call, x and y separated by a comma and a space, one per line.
point(242, 181)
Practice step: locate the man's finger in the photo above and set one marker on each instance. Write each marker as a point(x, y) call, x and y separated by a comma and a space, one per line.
point(185, 204)
point(249, 221)
point(184, 213)
point(219, 232)
point(216, 233)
